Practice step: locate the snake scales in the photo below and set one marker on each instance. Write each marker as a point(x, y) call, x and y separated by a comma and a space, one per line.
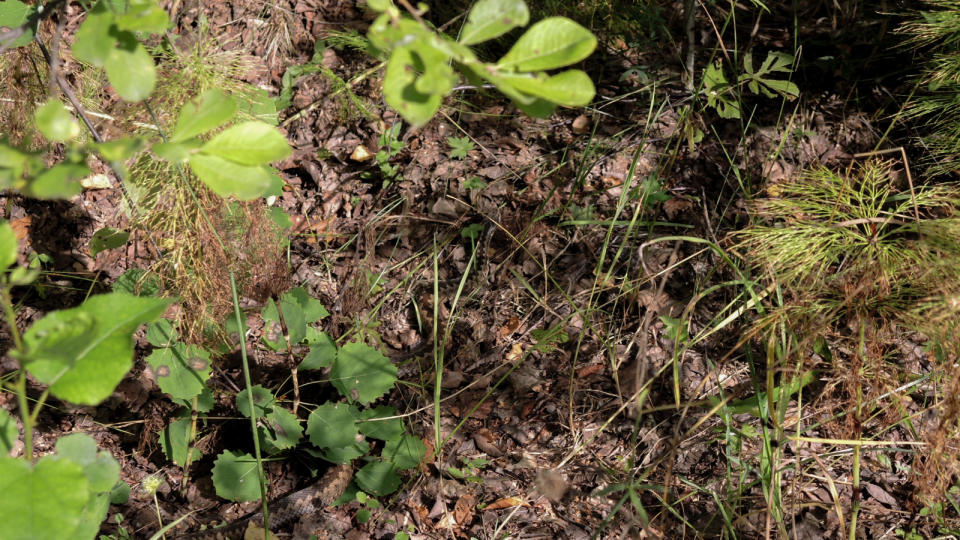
point(306, 501)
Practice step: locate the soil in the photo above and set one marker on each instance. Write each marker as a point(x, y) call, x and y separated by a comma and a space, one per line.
point(563, 454)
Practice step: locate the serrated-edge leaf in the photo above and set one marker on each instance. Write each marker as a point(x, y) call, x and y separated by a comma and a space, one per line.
point(236, 477)
point(362, 373)
point(379, 478)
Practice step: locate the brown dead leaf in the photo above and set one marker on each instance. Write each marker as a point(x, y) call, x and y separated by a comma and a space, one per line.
point(675, 206)
point(21, 227)
point(581, 124)
point(510, 327)
point(589, 370)
point(507, 502)
point(463, 510)
point(515, 354)
point(361, 154)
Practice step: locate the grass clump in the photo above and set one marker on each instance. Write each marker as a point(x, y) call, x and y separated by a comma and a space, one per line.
point(863, 259)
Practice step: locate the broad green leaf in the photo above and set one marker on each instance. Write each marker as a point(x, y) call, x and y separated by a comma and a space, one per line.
point(58, 182)
point(249, 143)
point(210, 110)
point(9, 433)
point(119, 149)
point(570, 88)
point(361, 373)
point(263, 401)
point(181, 370)
point(101, 470)
point(137, 282)
point(130, 68)
point(294, 317)
point(120, 493)
point(333, 425)
point(161, 333)
point(9, 246)
point(41, 502)
point(84, 352)
point(235, 477)
point(280, 430)
point(143, 16)
point(107, 238)
point(405, 452)
point(14, 13)
point(176, 152)
point(273, 334)
point(399, 88)
point(229, 179)
point(261, 106)
point(549, 44)
point(379, 5)
point(93, 39)
point(55, 122)
point(322, 354)
point(175, 442)
point(313, 309)
point(345, 454)
point(381, 423)
point(493, 18)
point(378, 478)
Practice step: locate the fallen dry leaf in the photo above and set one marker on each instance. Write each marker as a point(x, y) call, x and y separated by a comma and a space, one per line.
point(507, 502)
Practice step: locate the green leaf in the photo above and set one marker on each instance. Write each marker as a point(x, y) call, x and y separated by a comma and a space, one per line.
point(229, 179)
point(8, 432)
point(58, 182)
point(181, 370)
point(280, 430)
point(313, 309)
point(143, 16)
point(400, 91)
point(120, 493)
point(372, 426)
point(14, 13)
point(459, 147)
point(93, 41)
point(101, 470)
point(551, 43)
point(107, 238)
point(130, 68)
point(210, 110)
point(345, 454)
point(119, 149)
point(84, 352)
point(263, 401)
point(249, 143)
point(322, 354)
point(161, 333)
point(175, 442)
point(40, 502)
point(176, 152)
point(570, 88)
point(404, 452)
point(55, 122)
point(333, 425)
point(137, 282)
point(235, 477)
point(493, 18)
point(9, 246)
point(361, 373)
point(378, 478)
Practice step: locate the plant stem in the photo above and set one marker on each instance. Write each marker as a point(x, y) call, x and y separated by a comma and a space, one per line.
point(25, 416)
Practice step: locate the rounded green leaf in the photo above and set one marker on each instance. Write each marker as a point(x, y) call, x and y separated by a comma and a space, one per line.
point(42, 502)
point(361, 373)
point(143, 17)
point(345, 454)
point(249, 143)
point(551, 43)
point(14, 13)
point(101, 469)
point(381, 423)
point(210, 110)
point(404, 452)
point(59, 182)
point(400, 92)
point(84, 352)
point(181, 370)
point(493, 18)
point(333, 425)
point(263, 401)
point(107, 238)
point(235, 477)
point(378, 478)
point(229, 179)
point(119, 149)
point(130, 68)
point(8, 246)
point(55, 122)
point(161, 333)
point(280, 430)
point(93, 41)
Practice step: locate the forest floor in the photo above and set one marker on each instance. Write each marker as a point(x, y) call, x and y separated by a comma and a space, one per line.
point(557, 258)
